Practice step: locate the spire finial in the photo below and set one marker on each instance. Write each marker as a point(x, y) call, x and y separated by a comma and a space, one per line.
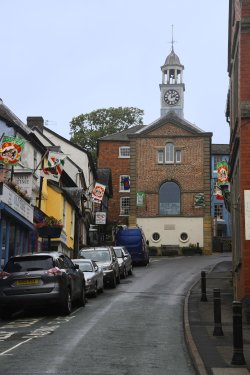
point(172, 42)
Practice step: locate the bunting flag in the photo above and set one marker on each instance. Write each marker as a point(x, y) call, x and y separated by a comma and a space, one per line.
point(98, 192)
point(199, 200)
point(222, 172)
point(218, 193)
point(55, 165)
point(11, 149)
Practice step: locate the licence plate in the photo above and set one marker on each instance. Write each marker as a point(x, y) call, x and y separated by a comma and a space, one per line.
point(28, 282)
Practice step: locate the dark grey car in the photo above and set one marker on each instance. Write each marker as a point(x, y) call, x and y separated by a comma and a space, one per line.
point(106, 258)
point(41, 279)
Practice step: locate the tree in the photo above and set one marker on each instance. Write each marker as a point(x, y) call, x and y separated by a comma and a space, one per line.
point(87, 128)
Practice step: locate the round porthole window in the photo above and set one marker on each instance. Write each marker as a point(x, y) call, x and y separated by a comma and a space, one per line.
point(155, 237)
point(183, 237)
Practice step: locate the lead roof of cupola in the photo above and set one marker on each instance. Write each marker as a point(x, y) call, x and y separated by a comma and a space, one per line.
point(172, 59)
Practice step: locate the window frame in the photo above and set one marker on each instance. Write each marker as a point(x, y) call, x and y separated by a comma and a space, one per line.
point(169, 153)
point(160, 160)
point(177, 151)
point(124, 156)
point(120, 183)
point(123, 208)
point(165, 213)
point(217, 159)
point(220, 211)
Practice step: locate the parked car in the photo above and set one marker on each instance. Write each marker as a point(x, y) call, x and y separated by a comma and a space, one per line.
point(93, 275)
point(105, 257)
point(122, 253)
point(122, 267)
point(31, 280)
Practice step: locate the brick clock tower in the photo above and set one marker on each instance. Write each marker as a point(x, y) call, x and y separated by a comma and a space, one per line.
point(157, 160)
point(172, 88)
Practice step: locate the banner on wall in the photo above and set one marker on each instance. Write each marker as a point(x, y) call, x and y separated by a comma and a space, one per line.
point(199, 200)
point(222, 172)
point(140, 198)
point(55, 165)
point(11, 150)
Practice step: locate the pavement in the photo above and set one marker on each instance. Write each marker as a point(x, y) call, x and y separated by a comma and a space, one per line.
point(212, 355)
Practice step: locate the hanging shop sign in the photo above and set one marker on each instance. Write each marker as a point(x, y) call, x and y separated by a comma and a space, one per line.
point(100, 218)
point(16, 202)
point(140, 198)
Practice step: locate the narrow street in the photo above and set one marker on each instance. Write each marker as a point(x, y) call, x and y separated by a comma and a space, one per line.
point(135, 329)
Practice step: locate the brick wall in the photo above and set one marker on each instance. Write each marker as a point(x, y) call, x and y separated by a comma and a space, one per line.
point(109, 158)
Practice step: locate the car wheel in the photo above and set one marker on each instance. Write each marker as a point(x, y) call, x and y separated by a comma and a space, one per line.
point(82, 299)
point(113, 282)
point(130, 272)
point(67, 303)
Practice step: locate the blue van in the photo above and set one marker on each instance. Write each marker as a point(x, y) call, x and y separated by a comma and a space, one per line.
point(134, 240)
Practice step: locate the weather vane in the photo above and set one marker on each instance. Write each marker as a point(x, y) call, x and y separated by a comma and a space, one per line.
point(173, 41)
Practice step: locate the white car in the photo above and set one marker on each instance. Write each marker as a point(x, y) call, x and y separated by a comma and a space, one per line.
point(93, 276)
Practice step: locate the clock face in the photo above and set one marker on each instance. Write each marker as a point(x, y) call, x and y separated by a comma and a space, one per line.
point(171, 97)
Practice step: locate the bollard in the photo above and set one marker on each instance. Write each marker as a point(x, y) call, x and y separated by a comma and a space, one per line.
point(238, 355)
point(217, 314)
point(203, 287)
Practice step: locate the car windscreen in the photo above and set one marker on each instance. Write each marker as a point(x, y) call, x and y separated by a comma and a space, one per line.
point(96, 255)
point(22, 264)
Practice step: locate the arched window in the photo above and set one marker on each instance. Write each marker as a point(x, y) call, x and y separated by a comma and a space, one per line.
point(169, 199)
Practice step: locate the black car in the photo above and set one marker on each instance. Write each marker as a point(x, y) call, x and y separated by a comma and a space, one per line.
point(106, 258)
point(40, 279)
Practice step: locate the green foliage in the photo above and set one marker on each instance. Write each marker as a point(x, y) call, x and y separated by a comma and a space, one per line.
point(86, 128)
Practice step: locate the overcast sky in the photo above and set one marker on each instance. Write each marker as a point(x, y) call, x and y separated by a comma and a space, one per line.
point(62, 58)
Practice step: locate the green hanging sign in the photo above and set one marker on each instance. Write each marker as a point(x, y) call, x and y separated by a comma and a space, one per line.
point(140, 198)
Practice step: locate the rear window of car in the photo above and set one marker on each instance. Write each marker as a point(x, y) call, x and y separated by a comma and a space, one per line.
point(118, 253)
point(96, 255)
point(22, 264)
point(85, 267)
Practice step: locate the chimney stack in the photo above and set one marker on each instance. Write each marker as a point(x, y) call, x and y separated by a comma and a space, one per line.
point(35, 122)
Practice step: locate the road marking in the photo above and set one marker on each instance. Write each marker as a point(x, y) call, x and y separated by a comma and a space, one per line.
point(40, 332)
point(14, 347)
point(5, 335)
point(21, 323)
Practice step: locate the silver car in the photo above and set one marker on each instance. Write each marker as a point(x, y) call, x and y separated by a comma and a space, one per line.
point(93, 275)
point(125, 258)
